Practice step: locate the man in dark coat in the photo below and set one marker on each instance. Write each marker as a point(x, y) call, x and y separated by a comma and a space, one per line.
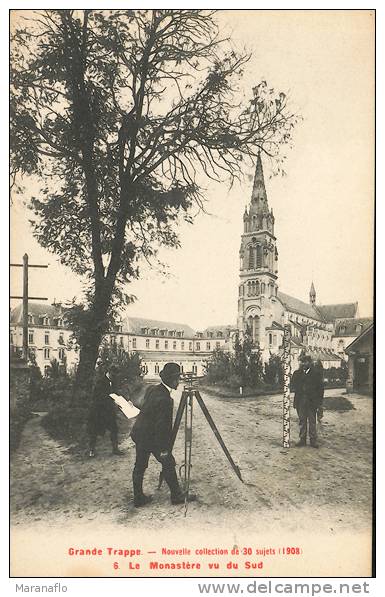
point(307, 383)
point(152, 435)
point(102, 415)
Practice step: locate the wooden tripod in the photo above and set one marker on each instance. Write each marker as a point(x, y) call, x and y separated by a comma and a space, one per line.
point(186, 407)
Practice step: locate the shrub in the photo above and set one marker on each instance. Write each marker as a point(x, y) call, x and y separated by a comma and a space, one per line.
point(273, 375)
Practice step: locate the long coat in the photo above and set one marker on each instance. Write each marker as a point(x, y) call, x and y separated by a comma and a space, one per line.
point(102, 413)
point(308, 387)
point(152, 428)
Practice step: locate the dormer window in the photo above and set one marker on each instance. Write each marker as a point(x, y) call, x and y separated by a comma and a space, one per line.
point(219, 334)
point(358, 328)
point(342, 329)
point(45, 320)
point(30, 319)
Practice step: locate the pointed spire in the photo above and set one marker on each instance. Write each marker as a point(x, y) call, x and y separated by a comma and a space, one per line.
point(259, 180)
point(258, 195)
point(312, 294)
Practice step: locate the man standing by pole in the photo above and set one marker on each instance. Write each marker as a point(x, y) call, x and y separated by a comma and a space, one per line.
point(307, 383)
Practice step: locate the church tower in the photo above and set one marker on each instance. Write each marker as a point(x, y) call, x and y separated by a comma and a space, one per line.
point(258, 264)
point(312, 294)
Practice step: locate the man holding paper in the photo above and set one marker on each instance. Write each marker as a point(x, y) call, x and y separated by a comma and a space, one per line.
point(102, 415)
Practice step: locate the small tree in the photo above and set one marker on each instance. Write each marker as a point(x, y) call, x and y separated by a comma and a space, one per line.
point(218, 368)
point(274, 371)
point(246, 362)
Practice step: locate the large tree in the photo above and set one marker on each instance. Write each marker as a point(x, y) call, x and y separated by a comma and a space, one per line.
point(119, 114)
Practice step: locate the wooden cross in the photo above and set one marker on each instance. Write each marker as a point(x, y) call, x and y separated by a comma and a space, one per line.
point(25, 298)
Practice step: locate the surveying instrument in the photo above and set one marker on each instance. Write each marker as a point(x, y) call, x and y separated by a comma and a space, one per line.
point(190, 391)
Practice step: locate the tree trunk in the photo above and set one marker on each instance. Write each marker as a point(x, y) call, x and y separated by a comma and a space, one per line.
point(92, 338)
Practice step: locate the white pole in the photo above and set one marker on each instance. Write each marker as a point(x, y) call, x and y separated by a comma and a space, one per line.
point(286, 386)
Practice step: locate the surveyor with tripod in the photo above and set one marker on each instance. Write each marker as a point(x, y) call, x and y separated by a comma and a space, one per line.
point(152, 434)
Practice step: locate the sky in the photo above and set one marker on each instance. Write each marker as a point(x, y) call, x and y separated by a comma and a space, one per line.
point(323, 206)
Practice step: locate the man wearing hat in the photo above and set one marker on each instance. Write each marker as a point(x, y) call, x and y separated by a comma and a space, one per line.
point(307, 383)
point(152, 435)
point(102, 415)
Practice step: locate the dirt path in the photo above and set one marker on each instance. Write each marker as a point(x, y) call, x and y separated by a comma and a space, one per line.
point(297, 489)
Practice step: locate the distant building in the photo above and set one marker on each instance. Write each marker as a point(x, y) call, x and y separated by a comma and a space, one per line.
point(360, 362)
point(156, 341)
point(263, 310)
point(48, 335)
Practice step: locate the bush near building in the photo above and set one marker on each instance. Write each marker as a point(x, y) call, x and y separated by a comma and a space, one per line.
point(240, 368)
point(67, 418)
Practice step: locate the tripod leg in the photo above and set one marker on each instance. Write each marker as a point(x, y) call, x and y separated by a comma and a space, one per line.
point(217, 435)
point(175, 429)
point(187, 448)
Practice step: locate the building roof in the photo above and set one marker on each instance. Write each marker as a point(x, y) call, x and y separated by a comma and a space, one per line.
point(224, 329)
point(37, 310)
point(351, 326)
point(341, 311)
point(356, 342)
point(323, 355)
point(293, 304)
point(275, 326)
point(135, 325)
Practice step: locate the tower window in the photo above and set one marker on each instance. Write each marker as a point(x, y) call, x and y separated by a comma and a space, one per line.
point(251, 258)
point(259, 256)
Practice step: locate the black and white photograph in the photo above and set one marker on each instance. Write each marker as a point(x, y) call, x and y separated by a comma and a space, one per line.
point(191, 292)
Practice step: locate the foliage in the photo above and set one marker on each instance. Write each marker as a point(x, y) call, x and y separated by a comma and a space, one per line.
point(243, 367)
point(273, 374)
point(129, 367)
point(336, 376)
point(246, 362)
point(19, 417)
point(35, 377)
point(117, 114)
point(218, 367)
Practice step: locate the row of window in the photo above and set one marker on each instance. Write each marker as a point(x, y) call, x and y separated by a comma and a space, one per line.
point(48, 355)
point(166, 345)
point(57, 321)
point(158, 367)
point(164, 332)
point(31, 337)
point(254, 288)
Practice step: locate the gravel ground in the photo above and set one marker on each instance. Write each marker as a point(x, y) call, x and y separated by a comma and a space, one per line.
point(290, 492)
